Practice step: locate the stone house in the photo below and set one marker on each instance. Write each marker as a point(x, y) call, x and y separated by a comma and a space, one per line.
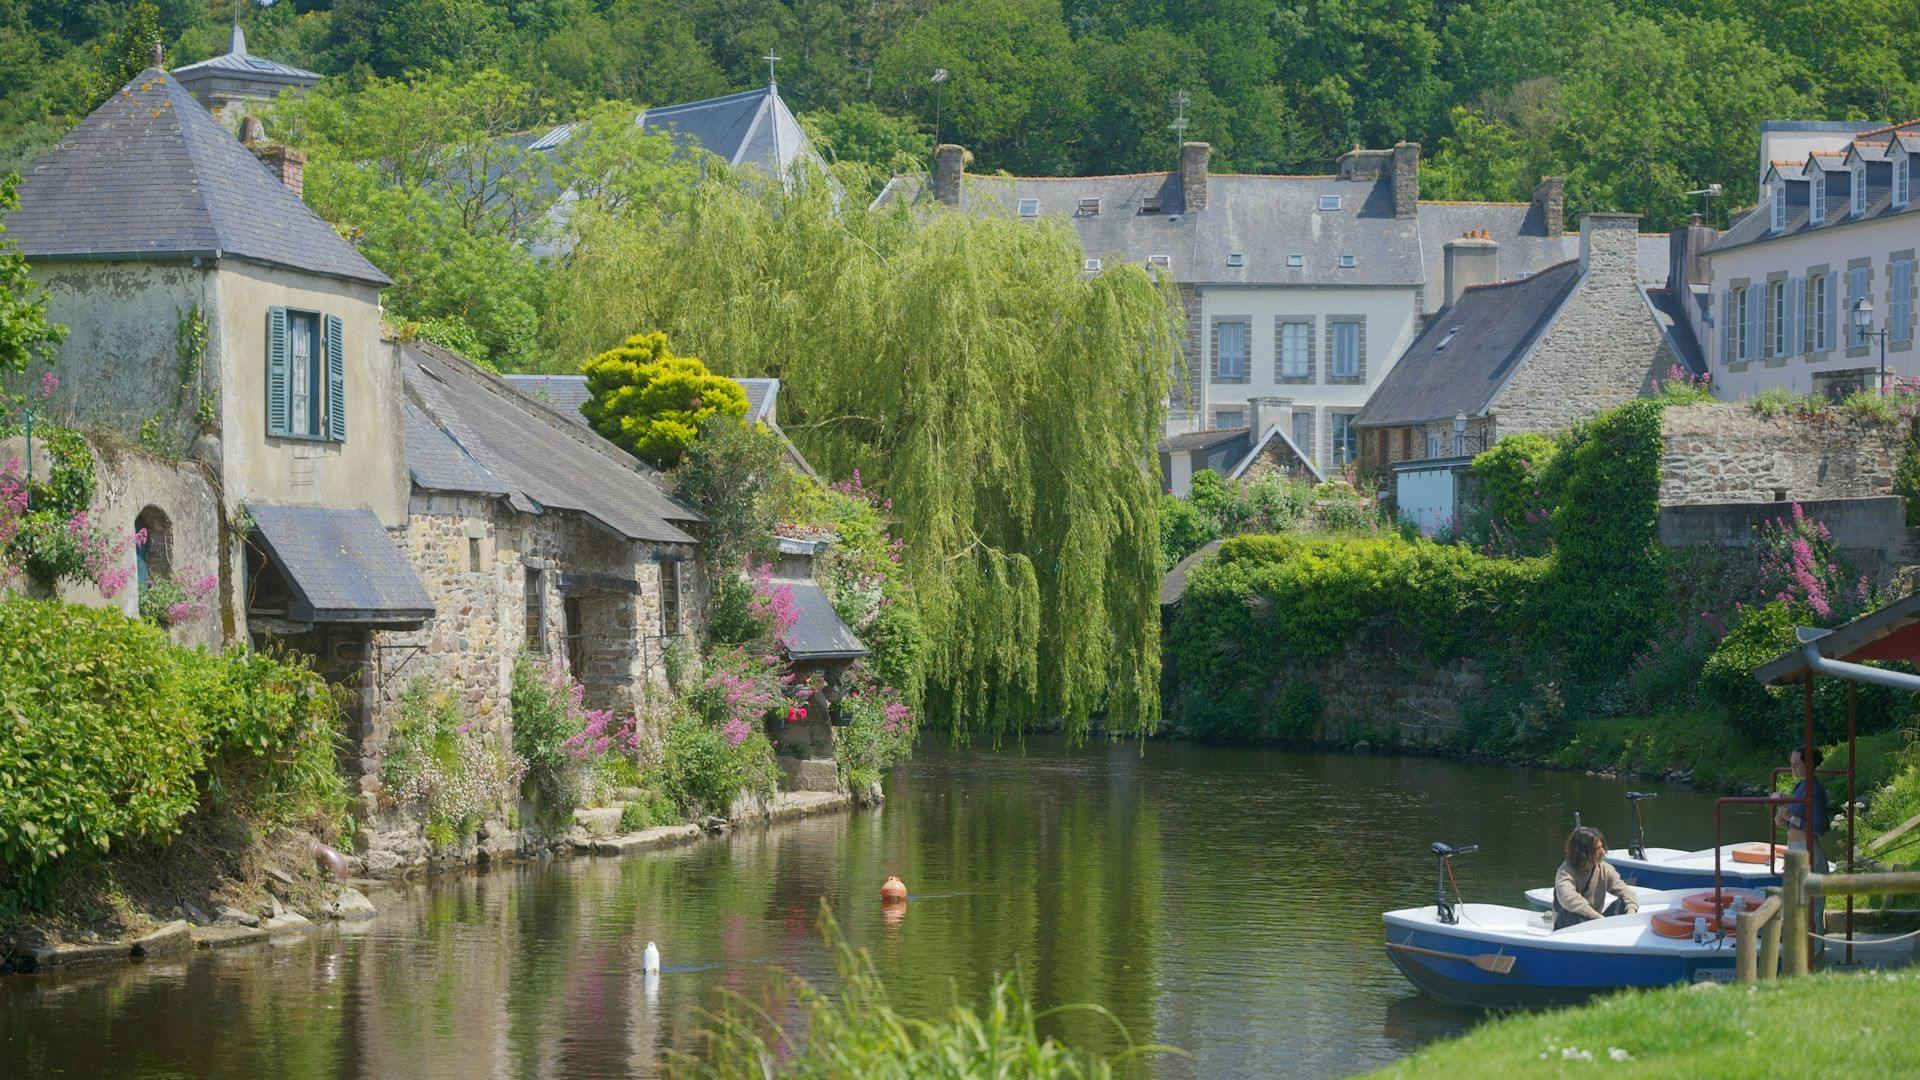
point(1537, 354)
point(535, 535)
point(1302, 288)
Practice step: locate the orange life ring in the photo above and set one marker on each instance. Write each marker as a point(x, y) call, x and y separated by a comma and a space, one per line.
point(1679, 924)
point(1704, 902)
point(1757, 853)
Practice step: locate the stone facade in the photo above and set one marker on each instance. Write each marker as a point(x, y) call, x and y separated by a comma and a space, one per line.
point(1604, 349)
point(1382, 448)
point(1722, 452)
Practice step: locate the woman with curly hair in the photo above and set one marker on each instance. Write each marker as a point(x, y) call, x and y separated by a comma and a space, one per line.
point(1584, 880)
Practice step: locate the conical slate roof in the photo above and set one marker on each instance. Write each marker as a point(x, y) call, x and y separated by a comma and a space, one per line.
point(751, 128)
point(237, 61)
point(152, 175)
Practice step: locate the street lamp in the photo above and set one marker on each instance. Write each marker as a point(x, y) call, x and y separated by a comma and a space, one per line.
point(1459, 434)
point(1862, 316)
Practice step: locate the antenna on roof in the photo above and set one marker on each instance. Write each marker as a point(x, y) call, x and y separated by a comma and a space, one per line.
point(771, 60)
point(1707, 195)
point(1181, 99)
point(939, 81)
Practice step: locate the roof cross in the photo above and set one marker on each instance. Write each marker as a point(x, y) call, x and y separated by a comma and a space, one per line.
point(771, 60)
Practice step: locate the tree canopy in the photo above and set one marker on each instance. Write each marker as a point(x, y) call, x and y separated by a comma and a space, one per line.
point(652, 403)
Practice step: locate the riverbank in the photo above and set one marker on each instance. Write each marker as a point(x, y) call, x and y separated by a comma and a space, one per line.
point(1856, 1023)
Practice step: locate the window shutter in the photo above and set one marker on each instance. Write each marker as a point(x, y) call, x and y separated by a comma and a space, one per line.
point(1726, 326)
point(1753, 321)
point(1796, 313)
point(277, 371)
point(336, 379)
point(1831, 336)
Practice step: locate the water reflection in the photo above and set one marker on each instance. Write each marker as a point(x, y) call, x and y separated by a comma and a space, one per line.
point(1226, 901)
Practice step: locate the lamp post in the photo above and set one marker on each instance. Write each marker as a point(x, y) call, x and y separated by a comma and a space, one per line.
point(1862, 316)
point(1459, 434)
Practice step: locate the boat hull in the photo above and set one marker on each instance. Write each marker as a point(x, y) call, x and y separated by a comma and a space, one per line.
point(1665, 868)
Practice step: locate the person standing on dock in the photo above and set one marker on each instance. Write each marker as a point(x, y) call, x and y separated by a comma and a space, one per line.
point(1584, 880)
point(1805, 835)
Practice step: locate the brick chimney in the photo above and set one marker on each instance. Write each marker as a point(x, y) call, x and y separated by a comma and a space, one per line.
point(949, 169)
point(1473, 259)
point(1610, 249)
point(1406, 179)
point(1551, 197)
point(288, 164)
point(1193, 174)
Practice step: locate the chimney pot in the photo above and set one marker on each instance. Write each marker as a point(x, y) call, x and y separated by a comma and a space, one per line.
point(949, 170)
point(1194, 168)
point(252, 130)
point(156, 57)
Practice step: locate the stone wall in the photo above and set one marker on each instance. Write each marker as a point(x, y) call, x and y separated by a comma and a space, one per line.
point(1604, 348)
point(1724, 452)
point(1871, 532)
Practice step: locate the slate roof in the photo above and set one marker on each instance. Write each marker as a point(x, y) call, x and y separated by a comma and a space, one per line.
point(1757, 225)
point(1201, 440)
point(751, 128)
point(509, 442)
point(818, 634)
point(1669, 314)
point(341, 565)
point(567, 393)
point(1496, 328)
point(237, 62)
point(1519, 228)
point(152, 175)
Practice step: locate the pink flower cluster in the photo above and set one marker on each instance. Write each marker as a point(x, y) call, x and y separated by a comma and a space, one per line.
point(196, 589)
point(1798, 565)
point(102, 555)
point(772, 605)
point(736, 731)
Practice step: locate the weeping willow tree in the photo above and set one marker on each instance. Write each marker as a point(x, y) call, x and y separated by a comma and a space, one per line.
point(1004, 403)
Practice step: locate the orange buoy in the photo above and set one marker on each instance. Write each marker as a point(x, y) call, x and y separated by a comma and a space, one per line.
point(1679, 924)
point(1706, 903)
point(894, 891)
point(1757, 853)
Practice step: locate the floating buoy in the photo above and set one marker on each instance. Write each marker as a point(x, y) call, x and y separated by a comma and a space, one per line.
point(1757, 853)
point(894, 891)
point(1747, 899)
point(650, 960)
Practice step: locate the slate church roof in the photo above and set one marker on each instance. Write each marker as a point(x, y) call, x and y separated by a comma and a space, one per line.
point(152, 175)
point(468, 431)
point(238, 63)
point(751, 128)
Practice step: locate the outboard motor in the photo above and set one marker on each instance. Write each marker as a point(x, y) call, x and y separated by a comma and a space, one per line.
point(1445, 909)
point(1638, 848)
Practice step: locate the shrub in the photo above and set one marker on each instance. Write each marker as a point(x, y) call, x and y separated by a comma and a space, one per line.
point(652, 808)
point(440, 766)
point(1606, 583)
point(705, 767)
point(1346, 514)
point(652, 402)
point(110, 735)
point(878, 733)
point(1184, 529)
point(558, 738)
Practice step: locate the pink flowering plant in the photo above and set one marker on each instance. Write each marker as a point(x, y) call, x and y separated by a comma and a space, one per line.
point(441, 767)
point(1798, 565)
point(48, 532)
point(176, 601)
point(568, 747)
point(878, 732)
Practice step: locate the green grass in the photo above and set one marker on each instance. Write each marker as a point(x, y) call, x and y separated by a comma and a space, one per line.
point(1698, 741)
point(1852, 1025)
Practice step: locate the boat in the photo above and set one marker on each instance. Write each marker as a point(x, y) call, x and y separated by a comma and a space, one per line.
point(1541, 899)
point(1498, 957)
point(1741, 866)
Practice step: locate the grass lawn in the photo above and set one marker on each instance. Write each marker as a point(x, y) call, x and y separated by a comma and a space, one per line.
point(1703, 742)
point(1848, 1025)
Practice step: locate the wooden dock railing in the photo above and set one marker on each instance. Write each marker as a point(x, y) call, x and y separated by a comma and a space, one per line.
point(1784, 916)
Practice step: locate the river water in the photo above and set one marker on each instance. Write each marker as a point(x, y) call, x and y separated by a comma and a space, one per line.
point(1222, 900)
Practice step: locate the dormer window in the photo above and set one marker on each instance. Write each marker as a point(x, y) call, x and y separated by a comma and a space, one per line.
point(1778, 191)
point(1859, 190)
point(1817, 196)
point(1235, 258)
point(1089, 206)
point(1347, 262)
point(1029, 207)
point(1329, 202)
point(1902, 181)
point(1149, 204)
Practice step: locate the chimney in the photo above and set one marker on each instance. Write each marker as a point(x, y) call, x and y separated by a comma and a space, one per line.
point(949, 167)
point(1358, 164)
point(1193, 174)
point(1270, 413)
point(1473, 259)
point(1551, 197)
point(1610, 248)
point(1406, 179)
point(1684, 245)
point(288, 164)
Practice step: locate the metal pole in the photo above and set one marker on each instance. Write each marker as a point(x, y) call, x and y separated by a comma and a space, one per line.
point(1853, 703)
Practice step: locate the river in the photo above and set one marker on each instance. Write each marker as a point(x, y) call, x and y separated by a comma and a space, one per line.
point(1222, 900)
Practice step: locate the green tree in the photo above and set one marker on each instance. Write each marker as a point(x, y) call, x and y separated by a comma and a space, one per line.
point(128, 50)
point(860, 132)
point(653, 403)
point(24, 330)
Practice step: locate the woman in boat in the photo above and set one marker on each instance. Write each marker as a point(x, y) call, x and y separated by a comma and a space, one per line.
point(1584, 880)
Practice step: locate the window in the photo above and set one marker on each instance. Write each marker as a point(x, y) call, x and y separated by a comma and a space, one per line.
point(1294, 340)
point(1737, 340)
point(152, 556)
point(1436, 446)
point(473, 555)
point(1778, 190)
point(1296, 259)
point(574, 632)
point(1089, 206)
point(1149, 204)
point(1160, 261)
point(1234, 258)
point(1820, 314)
point(669, 598)
point(1776, 318)
point(1230, 350)
point(1347, 262)
point(306, 375)
point(1303, 432)
point(1817, 195)
point(1346, 350)
point(1092, 266)
point(1900, 307)
point(1902, 180)
point(1029, 207)
point(1346, 438)
point(1329, 202)
point(1856, 288)
point(1230, 418)
point(1858, 187)
point(536, 592)
point(1448, 340)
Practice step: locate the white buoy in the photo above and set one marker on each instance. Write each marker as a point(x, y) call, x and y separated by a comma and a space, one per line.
point(650, 960)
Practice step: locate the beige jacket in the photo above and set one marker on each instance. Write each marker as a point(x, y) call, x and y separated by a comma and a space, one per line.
point(1585, 895)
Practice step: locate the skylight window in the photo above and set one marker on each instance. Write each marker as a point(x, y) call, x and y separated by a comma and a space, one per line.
point(1091, 266)
point(1029, 207)
point(1329, 202)
point(1160, 261)
point(1451, 330)
point(1234, 258)
point(1089, 206)
point(1347, 262)
point(1149, 204)
point(1296, 259)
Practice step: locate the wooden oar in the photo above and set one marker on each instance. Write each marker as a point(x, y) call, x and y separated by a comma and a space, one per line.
point(1494, 963)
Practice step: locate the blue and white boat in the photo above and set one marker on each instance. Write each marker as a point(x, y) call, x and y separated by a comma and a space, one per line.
point(1668, 868)
point(1541, 899)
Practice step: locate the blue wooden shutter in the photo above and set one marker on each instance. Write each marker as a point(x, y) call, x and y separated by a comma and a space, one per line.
point(1833, 313)
point(1725, 325)
point(336, 380)
point(277, 371)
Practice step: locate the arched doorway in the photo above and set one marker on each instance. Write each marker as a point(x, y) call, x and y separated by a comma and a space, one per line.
point(152, 556)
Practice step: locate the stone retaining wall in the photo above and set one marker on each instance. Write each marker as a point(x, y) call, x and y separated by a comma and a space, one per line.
point(1725, 452)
